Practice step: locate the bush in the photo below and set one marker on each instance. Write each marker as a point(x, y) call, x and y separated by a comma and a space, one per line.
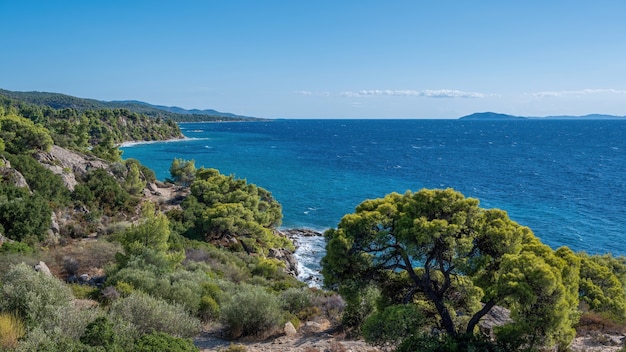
point(23, 215)
point(251, 311)
point(296, 300)
point(150, 314)
point(36, 297)
point(100, 332)
point(164, 343)
point(15, 247)
point(393, 324)
point(209, 309)
point(11, 330)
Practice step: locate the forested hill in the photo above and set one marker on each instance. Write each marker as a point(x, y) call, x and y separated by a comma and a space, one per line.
point(63, 101)
point(97, 128)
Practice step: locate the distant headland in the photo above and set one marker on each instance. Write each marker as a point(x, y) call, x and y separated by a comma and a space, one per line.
point(492, 116)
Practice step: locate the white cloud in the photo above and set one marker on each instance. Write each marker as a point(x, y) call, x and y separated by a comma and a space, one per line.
point(428, 93)
point(311, 93)
point(563, 93)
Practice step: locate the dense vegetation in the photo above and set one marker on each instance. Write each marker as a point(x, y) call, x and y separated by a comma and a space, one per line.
point(416, 271)
point(436, 259)
point(61, 102)
point(155, 277)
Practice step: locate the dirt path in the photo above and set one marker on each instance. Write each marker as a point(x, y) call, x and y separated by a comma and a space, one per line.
point(319, 342)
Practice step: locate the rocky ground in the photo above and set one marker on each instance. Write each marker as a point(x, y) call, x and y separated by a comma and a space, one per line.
point(326, 341)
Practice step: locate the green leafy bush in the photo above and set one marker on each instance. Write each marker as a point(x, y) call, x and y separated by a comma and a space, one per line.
point(393, 324)
point(40, 179)
point(164, 343)
point(101, 332)
point(251, 311)
point(36, 297)
point(23, 215)
point(296, 300)
point(149, 314)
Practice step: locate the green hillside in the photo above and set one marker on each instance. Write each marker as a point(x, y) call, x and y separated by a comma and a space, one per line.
point(63, 101)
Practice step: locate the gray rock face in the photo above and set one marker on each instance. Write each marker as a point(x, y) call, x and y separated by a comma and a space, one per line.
point(11, 176)
point(286, 256)
point(68, 164)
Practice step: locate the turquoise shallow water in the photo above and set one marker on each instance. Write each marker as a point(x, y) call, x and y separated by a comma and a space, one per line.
point(566, 180)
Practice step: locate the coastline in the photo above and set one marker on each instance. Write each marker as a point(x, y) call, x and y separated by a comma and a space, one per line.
point(134, 143)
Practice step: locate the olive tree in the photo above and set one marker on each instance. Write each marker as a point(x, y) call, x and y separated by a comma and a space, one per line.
point(455, 261)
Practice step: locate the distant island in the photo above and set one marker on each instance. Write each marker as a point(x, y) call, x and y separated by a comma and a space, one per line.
point(492, 116)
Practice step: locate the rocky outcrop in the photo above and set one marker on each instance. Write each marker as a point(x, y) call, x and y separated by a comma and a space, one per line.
point(69, 164)
point(43, 268)
point(287, 257)
point(10, 175)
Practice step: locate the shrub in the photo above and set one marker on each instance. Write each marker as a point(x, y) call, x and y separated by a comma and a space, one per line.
point(159, 341)
point(11, 330)
point(150, 314)
point(251, 311)
point(84, 291)
point(393, 324)
point(100, 332)
point(296, 300)
point(36, 297)
point(209, 309)
point(331, 306)
point(15, 247)
point(22, 214)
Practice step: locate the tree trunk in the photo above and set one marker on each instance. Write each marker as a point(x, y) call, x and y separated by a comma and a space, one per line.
point(478, 315)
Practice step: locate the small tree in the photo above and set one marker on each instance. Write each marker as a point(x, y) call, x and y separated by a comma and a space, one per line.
point(183, 172)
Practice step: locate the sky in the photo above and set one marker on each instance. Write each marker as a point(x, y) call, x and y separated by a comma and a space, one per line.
point(324, 59)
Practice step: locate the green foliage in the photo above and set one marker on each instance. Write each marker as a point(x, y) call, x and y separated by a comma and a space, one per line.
point(251, 311)
point(22, 136)
point(40, 179)
point(23, 216)
point(393, 324)
point(103, 192)
point(600, 286)
point(15, 247)
point(101, 333)
point(133, 182)
point(152, 233)
point(149, 314)
point(440, 250)
point(183, 172)
point(209, 309)
point(296, 300)
point(221, 207)
point(107, 150)
point(162, 342)
point(37, 298)
point(447, 343)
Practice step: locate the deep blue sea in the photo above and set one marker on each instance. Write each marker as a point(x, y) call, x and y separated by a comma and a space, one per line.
point(564, 179)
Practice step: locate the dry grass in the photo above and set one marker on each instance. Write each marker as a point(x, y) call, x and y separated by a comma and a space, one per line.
point(11, 330)
point(592, 322)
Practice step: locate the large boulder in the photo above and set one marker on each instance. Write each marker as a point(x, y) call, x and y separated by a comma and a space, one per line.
point(10, 175)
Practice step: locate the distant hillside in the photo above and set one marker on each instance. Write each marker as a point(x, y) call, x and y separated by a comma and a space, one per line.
point(492, 116)
point(62, 101)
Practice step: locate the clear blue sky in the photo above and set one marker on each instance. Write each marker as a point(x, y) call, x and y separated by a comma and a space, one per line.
point(324, 59)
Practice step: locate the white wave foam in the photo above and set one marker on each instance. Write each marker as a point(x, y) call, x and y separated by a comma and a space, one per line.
point(309, 253)
point(134, 143)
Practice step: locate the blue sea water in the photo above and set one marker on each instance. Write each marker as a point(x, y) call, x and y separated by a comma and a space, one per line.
point(564, 179)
